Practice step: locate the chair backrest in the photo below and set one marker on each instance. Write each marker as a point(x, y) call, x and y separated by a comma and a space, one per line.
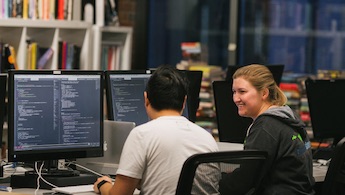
point(334, 182)
point(204, 170)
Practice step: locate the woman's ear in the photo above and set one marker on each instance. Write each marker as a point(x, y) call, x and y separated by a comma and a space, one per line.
point(265, 93)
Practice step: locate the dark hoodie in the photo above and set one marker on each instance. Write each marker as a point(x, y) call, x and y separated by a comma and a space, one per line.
point(289, 168)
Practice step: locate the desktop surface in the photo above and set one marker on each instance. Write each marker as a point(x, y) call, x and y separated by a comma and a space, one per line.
point(31, 191)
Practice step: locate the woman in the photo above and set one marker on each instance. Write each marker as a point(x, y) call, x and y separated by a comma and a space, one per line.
point(275, 129)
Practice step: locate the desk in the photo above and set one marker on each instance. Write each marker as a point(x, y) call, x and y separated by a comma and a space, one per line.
point(30, 191)
point(319, 172)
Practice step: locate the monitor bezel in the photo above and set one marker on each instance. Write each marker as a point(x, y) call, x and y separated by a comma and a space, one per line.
point(52, 154)
point(3, 106)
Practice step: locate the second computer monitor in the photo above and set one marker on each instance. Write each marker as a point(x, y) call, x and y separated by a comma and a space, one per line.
point(231, 126)
point(125, 95)
point(326, 107)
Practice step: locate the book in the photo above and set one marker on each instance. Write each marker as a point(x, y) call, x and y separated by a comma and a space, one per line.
point(32, 9)
point(45, 10)
point(64, 55)
point(69, 56)
point(60, 55)
point(34, 47)
point(25, 9)
point(19, 8)
point(76, 57)
point(43, 60)
point(60, 9)
point(110, 58)
point(52, 13)
point(14, 8)
point(69, 10)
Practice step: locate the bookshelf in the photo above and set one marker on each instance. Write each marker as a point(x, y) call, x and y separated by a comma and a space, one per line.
point(119, 38)
point(47, 33)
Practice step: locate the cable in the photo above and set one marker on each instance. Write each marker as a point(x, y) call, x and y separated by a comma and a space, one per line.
point(40, 175)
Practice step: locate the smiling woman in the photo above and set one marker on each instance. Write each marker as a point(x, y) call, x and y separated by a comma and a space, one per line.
point(274, 126)
point(254, 91)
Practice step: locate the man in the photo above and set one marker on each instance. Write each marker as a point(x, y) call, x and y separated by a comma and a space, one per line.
point(154, 152)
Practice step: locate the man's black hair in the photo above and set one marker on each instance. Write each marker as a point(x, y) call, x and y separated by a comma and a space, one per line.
point(167, 88)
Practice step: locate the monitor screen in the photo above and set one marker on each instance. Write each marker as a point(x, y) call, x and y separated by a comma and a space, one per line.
point(55, 115)
point(3, 107)
point(231, 126)
point(125, 95)
point(326, 107)
point(276, 70)
point(194, 77)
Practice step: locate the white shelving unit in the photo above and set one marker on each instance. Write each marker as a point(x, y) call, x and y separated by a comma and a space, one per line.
point(121, 36)
point(46, 33)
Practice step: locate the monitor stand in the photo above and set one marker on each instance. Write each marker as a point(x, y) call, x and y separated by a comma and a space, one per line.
point(30, 181)
point(55, 173)
point(54, 176)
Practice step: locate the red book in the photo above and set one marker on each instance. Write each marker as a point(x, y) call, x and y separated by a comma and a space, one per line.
point(289, 86)
point(64, 55)
point(60, 10)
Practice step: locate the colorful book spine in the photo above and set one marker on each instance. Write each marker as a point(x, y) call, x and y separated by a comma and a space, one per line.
point(45, 58)
point(60, 10)
point(33, 55)
point(25, 9)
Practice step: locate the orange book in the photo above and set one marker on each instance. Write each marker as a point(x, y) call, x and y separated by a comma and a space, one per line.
point(60, 10)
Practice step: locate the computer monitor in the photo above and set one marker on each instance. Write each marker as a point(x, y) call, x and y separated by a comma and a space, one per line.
point(55, 115)
point(231, 126)
point(326, 107)
point(276, 70)
point(125, 95)
point(3, 107)
point(194, 77)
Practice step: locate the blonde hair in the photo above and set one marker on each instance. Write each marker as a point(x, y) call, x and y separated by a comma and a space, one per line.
point(261, 77)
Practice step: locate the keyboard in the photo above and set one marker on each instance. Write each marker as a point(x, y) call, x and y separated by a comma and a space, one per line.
point(74, 189)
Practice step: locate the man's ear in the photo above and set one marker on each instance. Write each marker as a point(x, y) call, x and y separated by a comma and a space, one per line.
point(147, 102)
point(184, 102)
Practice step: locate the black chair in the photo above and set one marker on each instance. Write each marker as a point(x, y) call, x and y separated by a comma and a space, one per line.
point(205, 169)
point(334, 182)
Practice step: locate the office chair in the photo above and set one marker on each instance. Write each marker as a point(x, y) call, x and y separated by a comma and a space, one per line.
point(205, 169)
point(334, 182)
